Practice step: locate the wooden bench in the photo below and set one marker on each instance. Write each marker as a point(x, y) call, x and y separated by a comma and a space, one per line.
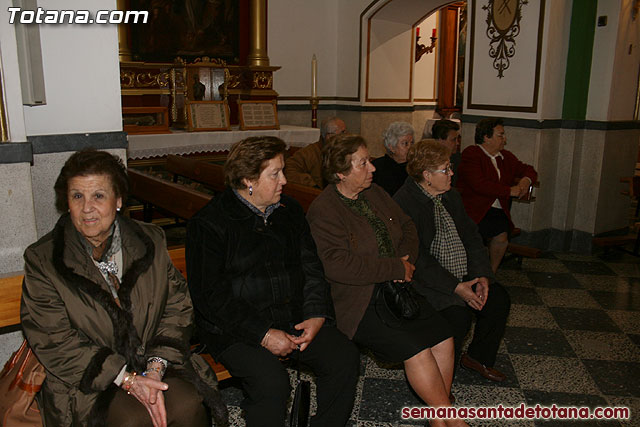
point(521, 251)
point(174, 199)
point(208, 174)
point(212, 176)
point(179, 260)
point(617, 242)
point(11, 291)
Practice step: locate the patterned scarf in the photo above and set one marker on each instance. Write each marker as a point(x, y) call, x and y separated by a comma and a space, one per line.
point(361, 207)
point(446, 247)
point(106, 257)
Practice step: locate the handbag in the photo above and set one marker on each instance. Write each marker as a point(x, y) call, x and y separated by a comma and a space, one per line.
point(299, 416)
point(399, 299)
point(20, 380)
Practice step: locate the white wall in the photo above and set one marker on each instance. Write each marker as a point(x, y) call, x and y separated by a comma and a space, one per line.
point(424, 71)
point(348, 53)
point(11, 79)
point(604, 50)
point(557, 27)
point(390, 61)
point(625, 85)
point(296, 31)
point(81, 69)
point(516, 88)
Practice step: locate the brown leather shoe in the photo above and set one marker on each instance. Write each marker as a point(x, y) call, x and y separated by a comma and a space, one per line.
point(489, 373)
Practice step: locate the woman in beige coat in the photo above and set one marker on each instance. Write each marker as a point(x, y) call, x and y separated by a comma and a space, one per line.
point(108, 315)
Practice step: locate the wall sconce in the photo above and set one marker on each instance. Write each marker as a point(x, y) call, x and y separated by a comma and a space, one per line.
point(422, 49)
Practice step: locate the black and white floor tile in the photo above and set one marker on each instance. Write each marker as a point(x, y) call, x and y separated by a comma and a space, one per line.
point(573, 339)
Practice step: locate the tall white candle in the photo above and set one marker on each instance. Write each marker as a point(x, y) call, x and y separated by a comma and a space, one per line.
point(314, 77)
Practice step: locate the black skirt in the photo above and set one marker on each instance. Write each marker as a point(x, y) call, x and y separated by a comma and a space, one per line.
point(494, 222)
point(397, 342)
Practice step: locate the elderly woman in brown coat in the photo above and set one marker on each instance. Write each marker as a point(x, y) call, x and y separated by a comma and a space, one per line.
point(108, 315)
point(363, 239)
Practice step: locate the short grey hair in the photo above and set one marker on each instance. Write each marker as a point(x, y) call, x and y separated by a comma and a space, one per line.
point(394, 132)
point(328, 126)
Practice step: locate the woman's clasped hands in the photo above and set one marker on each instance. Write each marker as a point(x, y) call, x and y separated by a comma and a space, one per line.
point(148, 390)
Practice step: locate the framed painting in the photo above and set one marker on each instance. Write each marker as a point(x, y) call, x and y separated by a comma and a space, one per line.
point(188, 29)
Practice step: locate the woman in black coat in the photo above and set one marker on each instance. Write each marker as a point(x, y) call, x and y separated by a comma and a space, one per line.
point(453, 269)
point(259, 291)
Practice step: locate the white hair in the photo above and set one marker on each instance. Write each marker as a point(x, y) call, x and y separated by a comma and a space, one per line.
point(394, 132)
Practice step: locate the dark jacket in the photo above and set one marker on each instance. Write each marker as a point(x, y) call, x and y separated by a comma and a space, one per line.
point(349, 252)
point(479, 185)
point(389, 174)
point(430, 278)
point(83, 338)
point(246, 276)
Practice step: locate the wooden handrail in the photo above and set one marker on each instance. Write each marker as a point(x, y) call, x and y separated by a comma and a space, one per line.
point(175, 199)
point(212, 176)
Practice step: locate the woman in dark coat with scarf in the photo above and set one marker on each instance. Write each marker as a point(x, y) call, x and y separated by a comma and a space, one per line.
point(259, 290)
point(108, 315)
point(453, 269)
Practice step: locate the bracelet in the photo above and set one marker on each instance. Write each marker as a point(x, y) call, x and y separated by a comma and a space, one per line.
point(154, 368)
point(128, 381)
point(159, 360)
point(265, 340)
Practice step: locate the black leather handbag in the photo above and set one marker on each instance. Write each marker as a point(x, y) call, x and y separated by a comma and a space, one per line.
point(399, 299)
point(299, 416)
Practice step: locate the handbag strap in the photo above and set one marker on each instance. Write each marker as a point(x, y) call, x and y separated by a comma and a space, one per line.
point(16, 356)
point(298, 366)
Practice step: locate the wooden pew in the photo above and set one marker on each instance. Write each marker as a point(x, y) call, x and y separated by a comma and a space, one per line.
point(10, 293)
point(212, 176)
point(521, 251)
point(209, 174)
point(617, 242)
point(178, 200)
point(179, 260)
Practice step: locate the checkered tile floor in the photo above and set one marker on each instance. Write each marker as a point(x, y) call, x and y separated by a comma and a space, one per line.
point(573, 339)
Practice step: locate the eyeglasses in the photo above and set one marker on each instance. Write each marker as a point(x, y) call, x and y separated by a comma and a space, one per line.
point(445, 170)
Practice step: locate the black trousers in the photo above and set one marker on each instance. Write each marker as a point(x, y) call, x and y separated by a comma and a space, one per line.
point(490, 325)
point(335, 361)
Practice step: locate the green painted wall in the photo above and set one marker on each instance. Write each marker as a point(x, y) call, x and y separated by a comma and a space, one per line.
point(576, 81)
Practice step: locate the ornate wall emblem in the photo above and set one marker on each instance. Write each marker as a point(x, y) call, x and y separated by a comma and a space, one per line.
point(262, 80)
point(503, 26)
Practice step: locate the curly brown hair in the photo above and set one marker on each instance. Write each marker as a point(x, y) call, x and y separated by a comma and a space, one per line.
point(336, 155)
point(248, 158)
point(90, 161)
point(427, 154)
point(485, 127)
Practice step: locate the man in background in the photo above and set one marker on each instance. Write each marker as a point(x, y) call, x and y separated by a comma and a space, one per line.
point(305, 166)
point(447, 132)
